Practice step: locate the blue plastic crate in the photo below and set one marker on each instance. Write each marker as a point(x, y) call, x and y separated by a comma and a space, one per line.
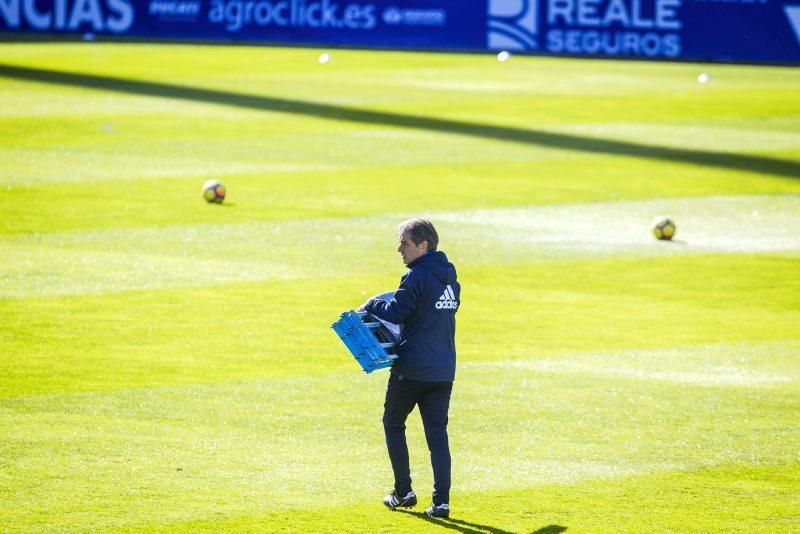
point(356, 330)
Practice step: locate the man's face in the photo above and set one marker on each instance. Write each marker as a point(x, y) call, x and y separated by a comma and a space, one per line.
point(408, 250)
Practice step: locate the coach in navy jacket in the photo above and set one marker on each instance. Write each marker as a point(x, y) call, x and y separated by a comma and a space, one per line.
point(424, 306)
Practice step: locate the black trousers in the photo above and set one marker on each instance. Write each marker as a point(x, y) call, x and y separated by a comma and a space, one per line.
point(433, 398)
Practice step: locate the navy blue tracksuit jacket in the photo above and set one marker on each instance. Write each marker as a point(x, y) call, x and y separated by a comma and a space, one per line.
point(425, 307)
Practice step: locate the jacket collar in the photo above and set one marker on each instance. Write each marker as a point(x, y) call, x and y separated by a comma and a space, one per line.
point(421, 259)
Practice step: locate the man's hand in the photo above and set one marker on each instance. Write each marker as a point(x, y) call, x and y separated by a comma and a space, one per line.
point(370, 305)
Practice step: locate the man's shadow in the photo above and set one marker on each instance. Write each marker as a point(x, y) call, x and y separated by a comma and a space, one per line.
point(475, 528)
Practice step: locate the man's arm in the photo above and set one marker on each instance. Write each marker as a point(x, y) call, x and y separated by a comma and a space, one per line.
point(402, 304)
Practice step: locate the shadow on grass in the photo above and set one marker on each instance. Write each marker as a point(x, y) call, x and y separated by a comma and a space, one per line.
point(467, 527)
point(550, 529)
point(739, 162)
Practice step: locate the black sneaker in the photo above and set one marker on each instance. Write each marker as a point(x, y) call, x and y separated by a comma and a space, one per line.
point(438, 510)
point(393, 501)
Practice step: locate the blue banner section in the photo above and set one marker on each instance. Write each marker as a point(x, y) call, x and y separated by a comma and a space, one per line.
point(720, 30)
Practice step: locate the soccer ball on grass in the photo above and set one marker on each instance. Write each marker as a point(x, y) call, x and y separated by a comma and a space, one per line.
point(663, 228)
point(214, 191)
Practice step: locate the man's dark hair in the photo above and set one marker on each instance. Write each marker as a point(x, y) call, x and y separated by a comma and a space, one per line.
point(420, 230)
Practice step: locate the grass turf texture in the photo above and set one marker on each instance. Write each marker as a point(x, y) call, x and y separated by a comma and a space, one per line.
point(167, 364)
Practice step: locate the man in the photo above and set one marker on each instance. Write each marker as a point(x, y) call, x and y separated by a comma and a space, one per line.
point(424, 306)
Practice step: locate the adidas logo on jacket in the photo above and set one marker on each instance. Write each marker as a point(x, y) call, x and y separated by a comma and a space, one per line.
point(448, 300)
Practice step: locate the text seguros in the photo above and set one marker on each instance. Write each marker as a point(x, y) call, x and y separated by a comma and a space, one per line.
point(643, 27)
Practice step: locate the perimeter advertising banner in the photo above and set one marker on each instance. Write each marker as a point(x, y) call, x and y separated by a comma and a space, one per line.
point(721, 30)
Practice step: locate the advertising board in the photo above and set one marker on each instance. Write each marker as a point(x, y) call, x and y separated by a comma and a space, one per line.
point(717, 30)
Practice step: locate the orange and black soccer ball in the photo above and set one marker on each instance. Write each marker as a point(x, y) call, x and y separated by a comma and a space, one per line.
point(214, 191)
point(663, 228)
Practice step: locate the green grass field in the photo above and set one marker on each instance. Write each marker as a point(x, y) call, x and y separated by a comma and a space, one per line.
point(167, 365)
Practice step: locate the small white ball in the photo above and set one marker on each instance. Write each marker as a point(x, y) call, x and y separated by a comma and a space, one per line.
point(324, 58)
point(703, 77)
point(503, 56)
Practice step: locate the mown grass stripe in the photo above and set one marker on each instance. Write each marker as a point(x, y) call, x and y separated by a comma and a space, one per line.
point(102, 261)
